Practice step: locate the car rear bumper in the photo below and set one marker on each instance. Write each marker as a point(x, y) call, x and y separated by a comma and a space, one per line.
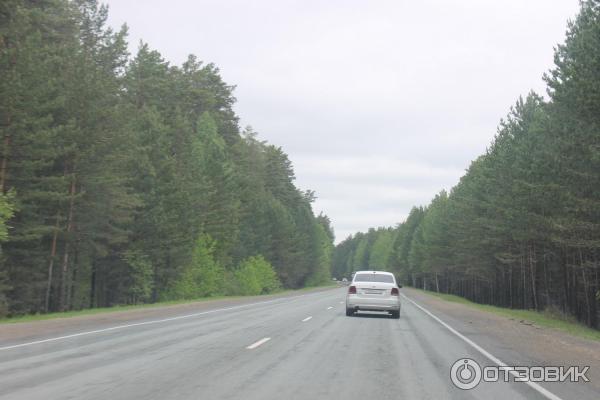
point(373, 304)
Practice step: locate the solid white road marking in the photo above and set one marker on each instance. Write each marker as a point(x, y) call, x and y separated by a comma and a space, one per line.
point(256, 344)
point(157, 321)
point(341, 302)
point(307, 319)
point(329, 308)
point(494, 359)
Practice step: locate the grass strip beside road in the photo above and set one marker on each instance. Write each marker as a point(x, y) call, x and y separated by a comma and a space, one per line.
point(546, 319)
point(118, 308)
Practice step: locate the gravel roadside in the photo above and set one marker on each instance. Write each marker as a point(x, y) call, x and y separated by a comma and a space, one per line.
point(11, 333)
point(517, 342)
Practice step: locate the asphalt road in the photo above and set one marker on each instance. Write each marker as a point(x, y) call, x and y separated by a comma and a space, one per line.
point(301, 347)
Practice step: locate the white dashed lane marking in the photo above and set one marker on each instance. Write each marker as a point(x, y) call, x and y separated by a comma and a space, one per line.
point(256, 344)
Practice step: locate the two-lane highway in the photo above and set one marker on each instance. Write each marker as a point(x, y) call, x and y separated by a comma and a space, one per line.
point(301, 347)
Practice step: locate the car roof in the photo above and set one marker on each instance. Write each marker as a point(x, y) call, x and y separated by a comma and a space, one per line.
point(374, 272)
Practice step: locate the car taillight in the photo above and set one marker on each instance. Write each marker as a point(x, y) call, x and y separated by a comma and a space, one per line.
point(352, 290)
point(395, 292)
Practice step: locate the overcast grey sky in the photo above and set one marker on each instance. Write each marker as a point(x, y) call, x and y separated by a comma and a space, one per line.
point(379, 104)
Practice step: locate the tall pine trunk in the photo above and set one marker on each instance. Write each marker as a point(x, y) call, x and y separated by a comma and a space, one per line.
point(93, 283)
point(65, 263)
point(510, 286)
point(5, 154)
point(71, 294)
point(588, 308)
point(533, 274)
point(51, 263)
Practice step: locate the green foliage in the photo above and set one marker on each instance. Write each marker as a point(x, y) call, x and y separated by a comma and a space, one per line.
point(381, 251)
point(256, 276)
point(139, 287)
point(7, 210)
point(132, 181)
point(373, 250)
point(202, 277)
point(321, 273)
point(6, 213)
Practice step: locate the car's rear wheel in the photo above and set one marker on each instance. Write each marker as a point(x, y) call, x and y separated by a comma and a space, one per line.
point(349, 312)
point(395, 314)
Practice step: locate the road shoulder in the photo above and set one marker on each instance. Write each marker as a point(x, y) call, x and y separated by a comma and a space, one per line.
point(33, 330)
point(515, 342)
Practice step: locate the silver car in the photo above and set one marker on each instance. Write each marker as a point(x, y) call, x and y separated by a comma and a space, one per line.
point(373, 291)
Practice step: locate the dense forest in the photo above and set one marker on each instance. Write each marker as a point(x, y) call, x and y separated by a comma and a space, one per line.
point(125, 179)
point(522, 227)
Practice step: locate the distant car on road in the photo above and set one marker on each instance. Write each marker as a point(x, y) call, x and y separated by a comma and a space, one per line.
point(344, 281)
point(373, 291)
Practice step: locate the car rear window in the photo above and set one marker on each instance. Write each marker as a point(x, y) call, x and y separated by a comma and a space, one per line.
point(374, 278)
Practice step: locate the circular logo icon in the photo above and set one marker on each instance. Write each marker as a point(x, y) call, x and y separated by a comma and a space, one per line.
point(465, 373)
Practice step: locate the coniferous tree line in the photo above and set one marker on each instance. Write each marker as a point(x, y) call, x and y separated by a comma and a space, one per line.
point(522, 227)
point(126, 179)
